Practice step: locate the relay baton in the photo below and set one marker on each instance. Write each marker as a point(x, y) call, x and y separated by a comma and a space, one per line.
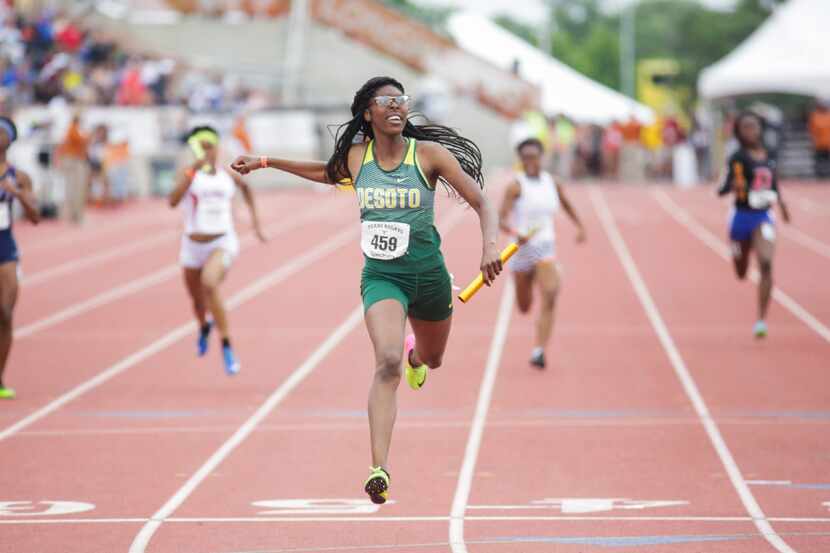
point(478, 282)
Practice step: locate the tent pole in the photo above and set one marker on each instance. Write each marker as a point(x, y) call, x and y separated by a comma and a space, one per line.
point(627, 50)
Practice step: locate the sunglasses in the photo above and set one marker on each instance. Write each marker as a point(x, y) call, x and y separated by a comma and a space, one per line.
point(384, 101)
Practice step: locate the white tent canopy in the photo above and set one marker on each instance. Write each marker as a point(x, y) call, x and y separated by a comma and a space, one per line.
point(788, 53)
point(564, 90)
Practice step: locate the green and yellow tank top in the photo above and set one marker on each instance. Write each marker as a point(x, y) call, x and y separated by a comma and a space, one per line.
point(397, 217)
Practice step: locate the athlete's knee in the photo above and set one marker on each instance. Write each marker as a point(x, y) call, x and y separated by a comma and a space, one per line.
point(765, 267)
point(549, 298)
point(198, 301)
point(741, 270)
point(209, 283)
point(524, 304)
point(6, 318)
point(388, 366)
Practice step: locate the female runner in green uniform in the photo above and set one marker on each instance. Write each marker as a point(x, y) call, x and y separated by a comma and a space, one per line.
point(395, 170)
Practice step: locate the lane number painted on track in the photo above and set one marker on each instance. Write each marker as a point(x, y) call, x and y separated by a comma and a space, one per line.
point(318, 506)
point(581, 505)
point(42, 508)
point(596, 505)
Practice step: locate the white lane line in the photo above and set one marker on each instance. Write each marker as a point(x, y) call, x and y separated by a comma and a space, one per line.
point(79, 234)
point(769, 482)
point(411, 424)
point(376, 519)
point(285, 270)
point(149, 280)
point(810, 206)
point(683, 374)
point(146, 533)
point(465, 476)
point(801, 237)
point(122, 250)
point(683, 217)
point(116, 252)
point(97, 300)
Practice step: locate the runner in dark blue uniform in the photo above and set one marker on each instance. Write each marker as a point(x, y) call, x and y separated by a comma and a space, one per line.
point(752, 177)
point(14, 184)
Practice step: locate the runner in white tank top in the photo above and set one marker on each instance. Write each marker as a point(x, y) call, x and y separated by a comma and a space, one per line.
point(534, 209)
point(530, 203)
point(209, 243)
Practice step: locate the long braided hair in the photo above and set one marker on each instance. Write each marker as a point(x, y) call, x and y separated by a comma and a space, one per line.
point(464, 149)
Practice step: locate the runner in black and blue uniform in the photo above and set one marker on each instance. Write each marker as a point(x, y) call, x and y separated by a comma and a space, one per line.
point(14, 184)
point(751, 176)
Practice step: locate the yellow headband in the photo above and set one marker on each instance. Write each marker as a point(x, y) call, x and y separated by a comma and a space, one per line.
point(204, 136)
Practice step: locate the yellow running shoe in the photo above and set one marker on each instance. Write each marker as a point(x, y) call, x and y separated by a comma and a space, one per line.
point(377, 485)
point(7, 393)
point(415, 376)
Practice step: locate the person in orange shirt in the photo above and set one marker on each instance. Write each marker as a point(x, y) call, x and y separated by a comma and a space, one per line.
point(820, 131)
point(240, 133)
point(631, 153)
point(74, 165)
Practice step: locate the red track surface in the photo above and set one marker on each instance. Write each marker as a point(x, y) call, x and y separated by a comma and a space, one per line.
point(609, 419)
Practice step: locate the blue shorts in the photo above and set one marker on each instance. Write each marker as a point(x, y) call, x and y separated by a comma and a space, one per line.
point(8, 247)
point(743, 223)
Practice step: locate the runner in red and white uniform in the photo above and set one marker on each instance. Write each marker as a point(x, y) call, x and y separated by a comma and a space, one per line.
point(209, 244)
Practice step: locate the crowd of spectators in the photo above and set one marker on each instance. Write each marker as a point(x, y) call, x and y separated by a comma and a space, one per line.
point(629, 150)
point(53, 55)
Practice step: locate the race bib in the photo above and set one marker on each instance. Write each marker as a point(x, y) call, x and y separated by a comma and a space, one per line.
point(762, 199)
point(213, 215)
point(5, 216)
point(384, 240)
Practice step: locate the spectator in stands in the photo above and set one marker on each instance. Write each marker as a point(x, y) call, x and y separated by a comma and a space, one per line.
point(819, 125)
point(631, 155)
point(611, 143)
point(74, 167)
point(116, 165)
point(564, 146)
point(131, 89)
point(50, 55)
point(701, 139)
point(99, 186)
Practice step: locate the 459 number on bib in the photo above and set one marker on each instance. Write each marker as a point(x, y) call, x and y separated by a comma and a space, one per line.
point(384, 240)
point(384, 243)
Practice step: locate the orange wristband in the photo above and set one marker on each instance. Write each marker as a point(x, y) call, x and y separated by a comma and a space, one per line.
point(263, 162)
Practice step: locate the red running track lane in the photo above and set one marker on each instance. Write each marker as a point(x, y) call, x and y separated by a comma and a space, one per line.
point(330, 459)
point(612, 420)
point(48, 363)
point(780, 384)
point(285, 346)
point(122, 471)
point(607, 420)
point(49, 264)
point(159, 259)
point(799, 269)
point(57, 241)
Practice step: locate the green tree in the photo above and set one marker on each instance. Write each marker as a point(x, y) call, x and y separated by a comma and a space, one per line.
point(587, 39)
point(435, 17)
